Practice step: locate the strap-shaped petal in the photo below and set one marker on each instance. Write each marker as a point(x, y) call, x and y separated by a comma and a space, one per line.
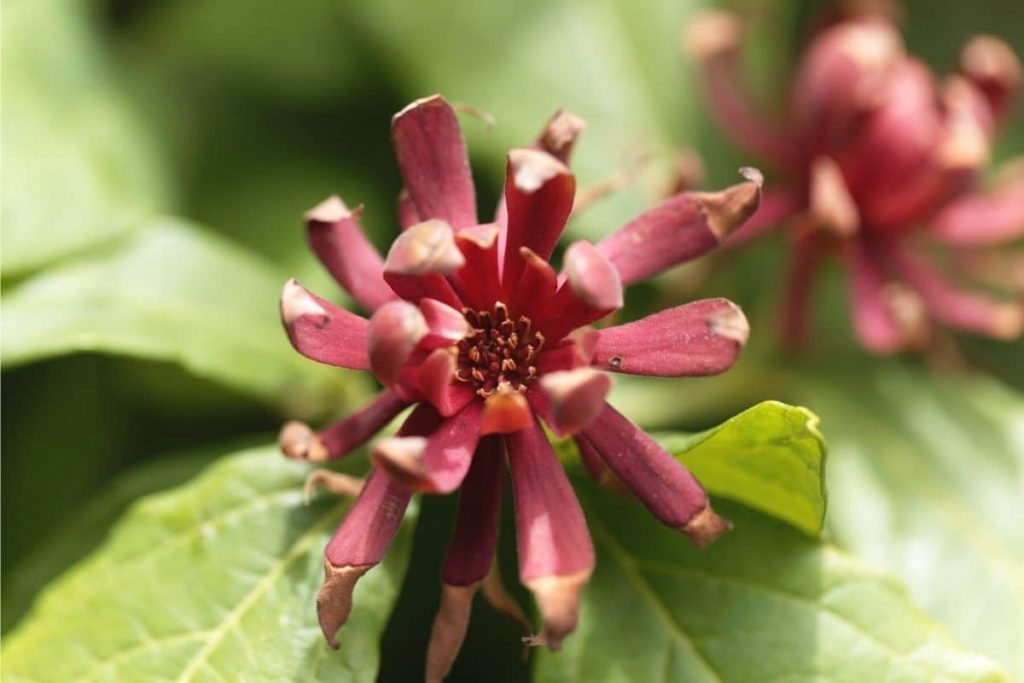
point(322, 331)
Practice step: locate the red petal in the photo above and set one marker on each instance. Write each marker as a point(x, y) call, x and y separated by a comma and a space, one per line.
point(477, 282)
point(994, 217)
point(592, 289)
point(556, 556)
point(777, 206)
point(418, 260)
point(445, 323)
point(873, 322)
point(436, 379)
point(658, 480)
point(334, 234)
point(322, 331)
point(696, 339)
point(680, 229)
point(537, 285)
point(539, 192)
point(432, 158)
point(394, 331)
point(505, 411)
point(407, 214)
point(341, 438)
point(574, 351)
point(471, 550)
point(577, 397)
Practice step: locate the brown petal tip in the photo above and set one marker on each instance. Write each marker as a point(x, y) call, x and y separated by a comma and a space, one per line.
point(558, 599)
point(449, 630)
point(728, 209)
point(483, 236)
point(401, 458)
point(299, 442)
point(577, 397)
point(338, 483)
point(330, 210)
point(560, 133)
point(832, 205)
point(427, 247)
point(297, 301)
point(505, 411)
point(334, 601)
point(705, 526)
point(731, 323)
point(531, 169)
point(712, 33)
point(434, 100)
point(592, 277)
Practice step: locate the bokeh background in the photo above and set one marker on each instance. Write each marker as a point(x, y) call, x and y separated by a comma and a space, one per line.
point(158, 156)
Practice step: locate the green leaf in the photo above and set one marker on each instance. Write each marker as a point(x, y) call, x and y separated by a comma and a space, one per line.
point(925, 481)
point(177, 294)
point(215, 580)
point(764, 603)
point(80, 168)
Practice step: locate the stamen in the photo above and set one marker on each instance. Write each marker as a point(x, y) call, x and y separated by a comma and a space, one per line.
point(498, 352)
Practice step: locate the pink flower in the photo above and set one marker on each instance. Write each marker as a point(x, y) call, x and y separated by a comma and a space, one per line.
point(881, 164)
point(472, 326)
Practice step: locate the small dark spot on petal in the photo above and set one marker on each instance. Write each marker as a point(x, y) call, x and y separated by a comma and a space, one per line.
point(615, 362)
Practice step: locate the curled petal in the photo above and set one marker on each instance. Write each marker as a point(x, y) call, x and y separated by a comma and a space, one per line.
point(299, 442)
point(994, 69)
point(592, 289)
point(435, 464)
point(538, 283)
point(358, 544)
point(659, 481)
point(418, 260)
point(680, 229)
point(556, 556)
point(559, 135)
point(577, 397)
point(696, 339)
point(338, 241)
point(432, 158)
point(712, 39)
point(539, 191)
point(776, 207)
point(394, 331)
point(436, 379)
point(477, 282)
point(506, 411)
point(574, 351)
point(445, 323)
point(994, 217)
point(322, 331)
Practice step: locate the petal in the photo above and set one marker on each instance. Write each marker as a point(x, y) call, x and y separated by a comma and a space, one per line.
point(994, 69)
point(418, 260)
point(659, 481)
point(556, 556)
point(998, 268)
point(954, 307)
point(505, 411)
point(408, 216)
point(873, 322)
point(321, 331)
point(994, 217)
point(432, 158)
point(445, 323)
point(471, 550)
point(449, 630)
point(435, 464)
point(577, 397)
point(358, 544)
point(693, 340)
point(592, 289)
point(559, 135)
point(334, 234)
point(392, 335)
point(712, 39)
point(436, 379)
point(539, 192)
point(477, 282)
point(538, 282)
point(574, 351)
point(680, 229)
point(777, 206)
point(298, 441)
point(803, 269)
point(831, 204)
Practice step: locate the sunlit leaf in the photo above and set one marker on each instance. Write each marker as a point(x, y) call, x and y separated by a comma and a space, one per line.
point(215, 580)
point(764, 603)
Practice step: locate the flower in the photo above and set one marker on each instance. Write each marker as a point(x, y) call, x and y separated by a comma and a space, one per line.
point(881, 165)
point(472, 325)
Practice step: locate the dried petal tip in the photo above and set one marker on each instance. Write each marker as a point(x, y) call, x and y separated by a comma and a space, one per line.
point(297, 301)
point(712, 33)
point(427, 247)
point(334, 601)
point(329, 210)
point(394, 331)
point(730, 208)
point(401, 458)
point(992, 65)
point(531, 169)
point(592, 277)
point(505, 411)
point(705, 526)
point(449, 630)
point(338, 483)
point(558, 599)
point(731, 323)
point(560, 133)
point(297, 441)
point(577, 397)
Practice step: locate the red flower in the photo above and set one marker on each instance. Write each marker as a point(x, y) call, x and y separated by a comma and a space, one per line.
point(473, 326)
point(881, 164)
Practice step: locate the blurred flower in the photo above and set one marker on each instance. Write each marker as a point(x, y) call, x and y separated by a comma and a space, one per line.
point(472, 325)
point(880, 164)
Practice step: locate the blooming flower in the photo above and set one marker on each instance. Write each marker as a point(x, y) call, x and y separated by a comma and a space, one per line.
point(472, 326)
point(881, 164)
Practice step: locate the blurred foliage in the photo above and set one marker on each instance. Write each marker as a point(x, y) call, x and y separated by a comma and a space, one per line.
point(128, 335)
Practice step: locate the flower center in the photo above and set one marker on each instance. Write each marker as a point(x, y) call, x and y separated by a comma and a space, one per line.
point(499, 353)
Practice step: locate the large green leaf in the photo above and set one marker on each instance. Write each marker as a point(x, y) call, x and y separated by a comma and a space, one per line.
point(215, 580)
point(177, 294)
point(764, 603)
point(79, 169)
point(926, 479)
